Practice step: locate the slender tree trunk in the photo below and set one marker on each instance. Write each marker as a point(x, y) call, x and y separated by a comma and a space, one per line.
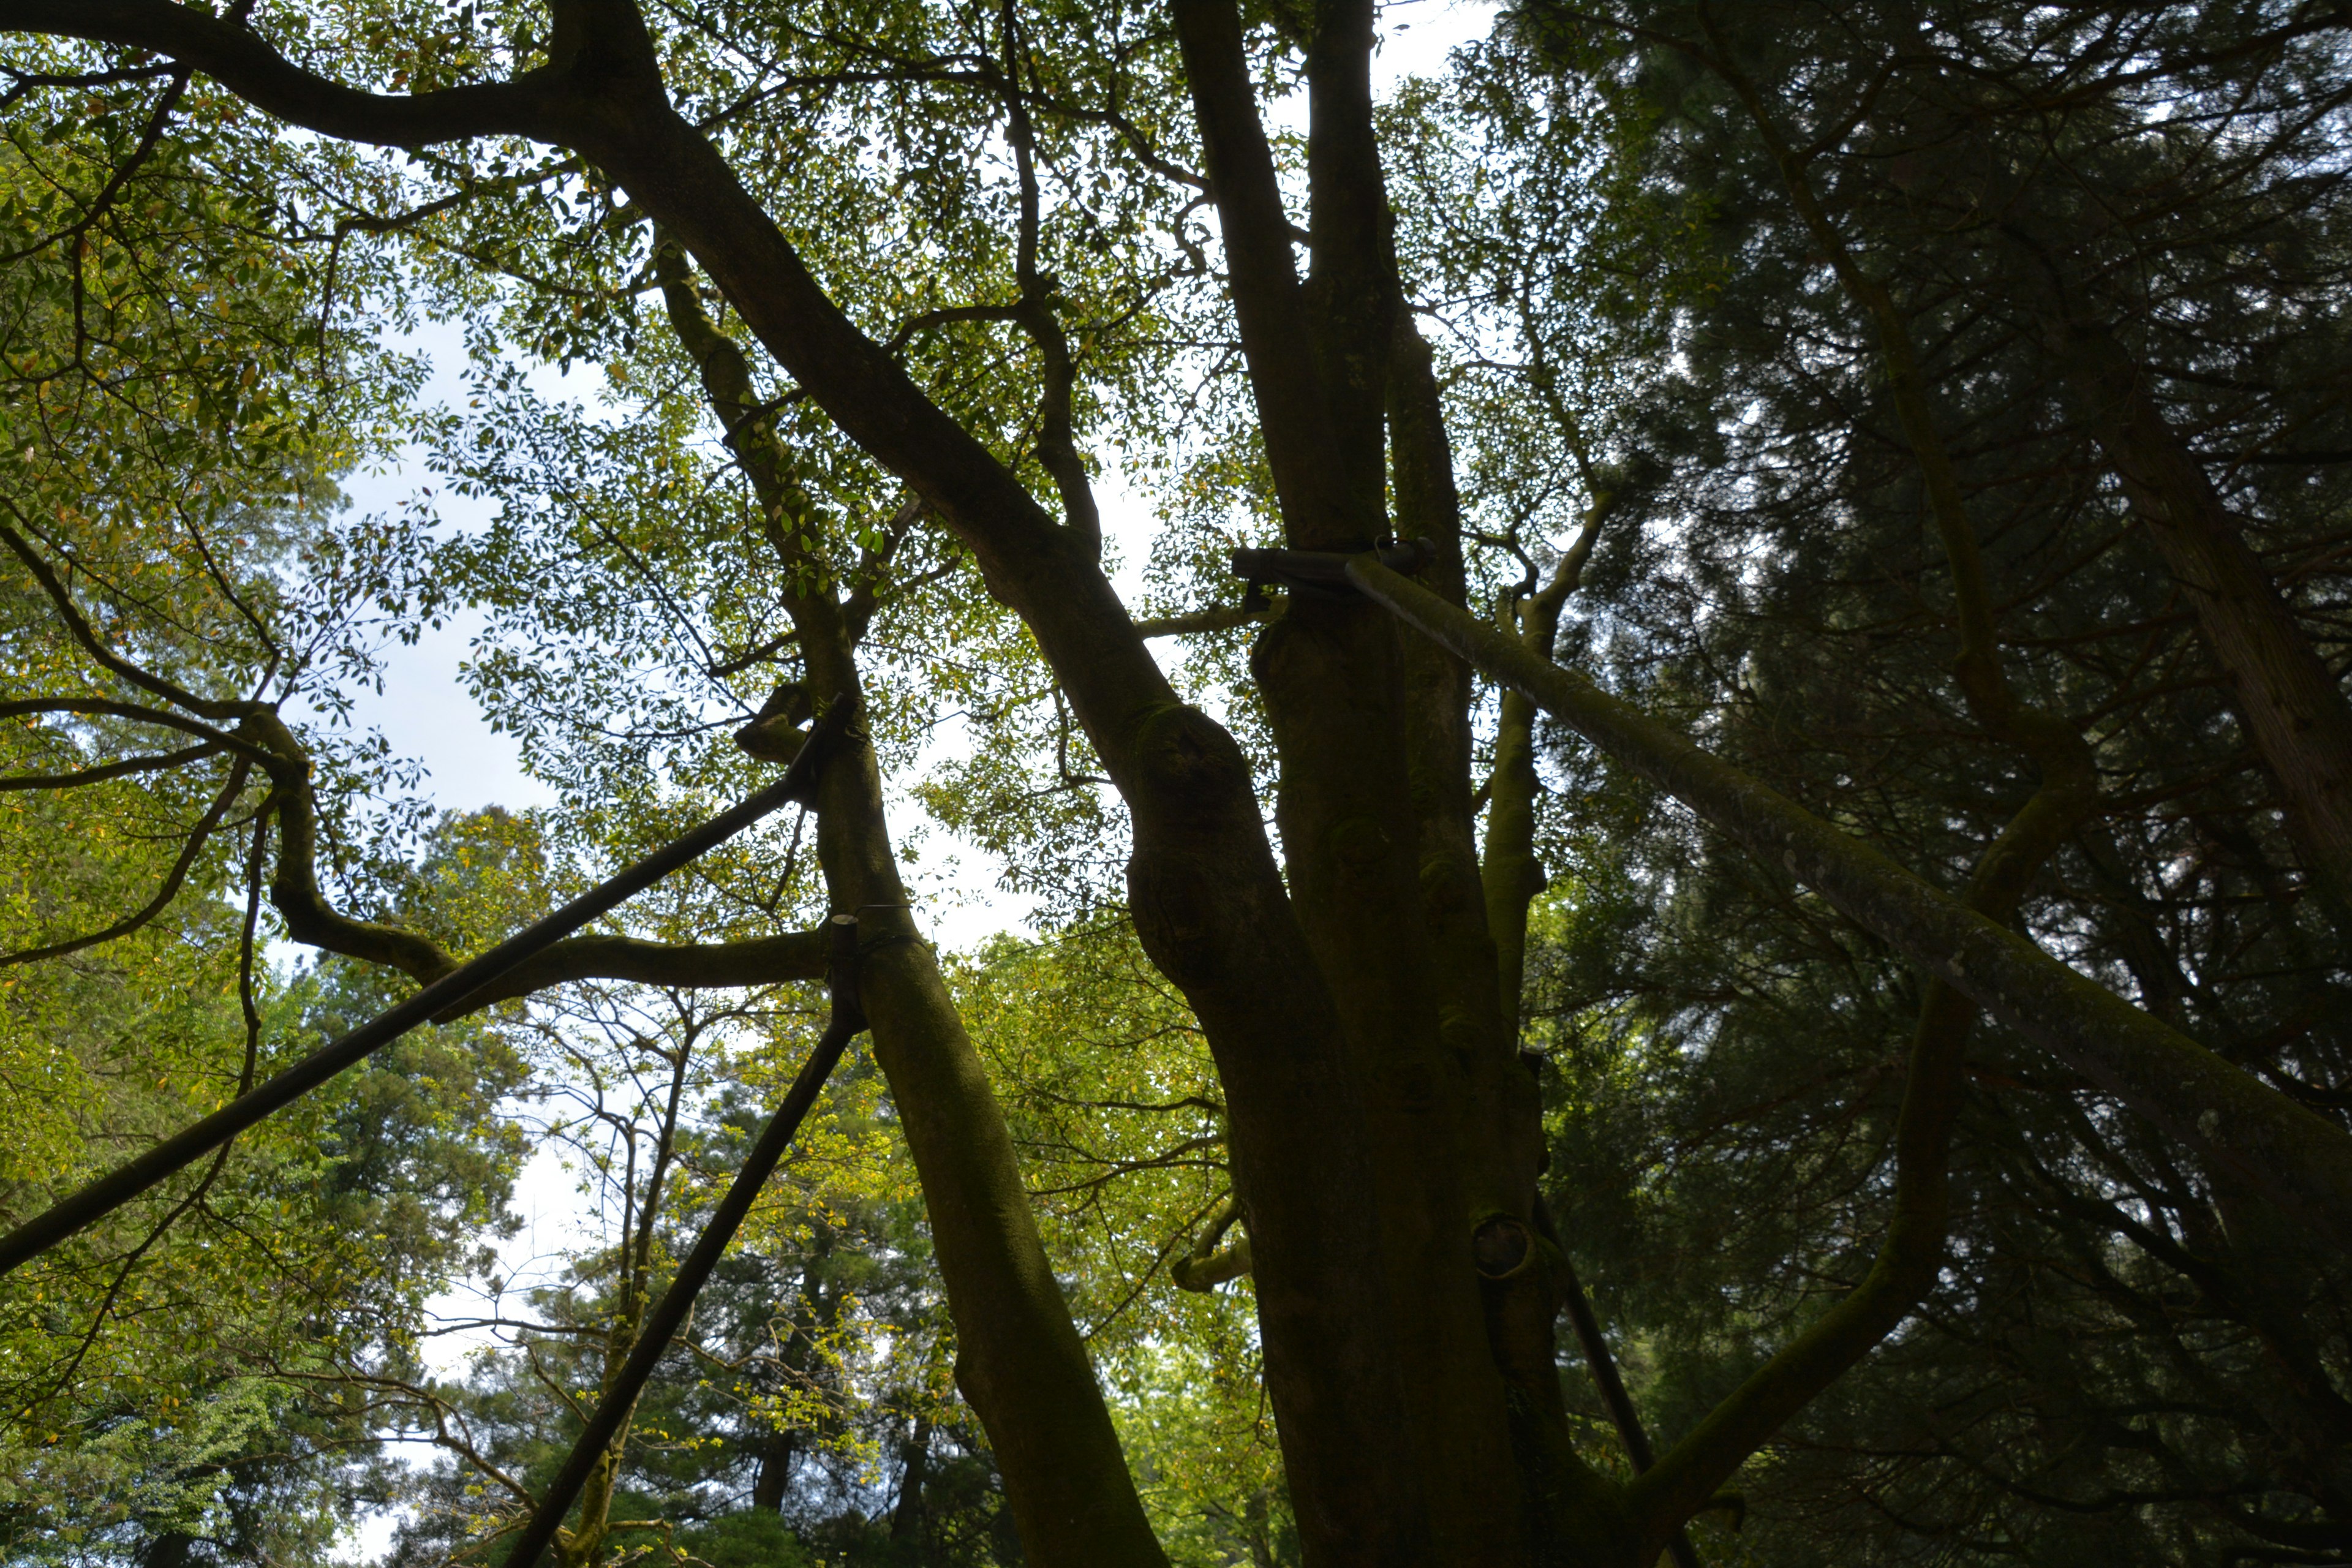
point(777, 1447)
point(2293, 708)
point(915, 1461)
point(1509, 872)
point(1020, 1362)
point(172, 1549)
point(771, 1483)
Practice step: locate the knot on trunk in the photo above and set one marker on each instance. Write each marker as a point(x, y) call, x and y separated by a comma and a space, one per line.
point(1500, 1247)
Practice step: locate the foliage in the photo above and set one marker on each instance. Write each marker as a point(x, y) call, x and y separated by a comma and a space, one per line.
point(1755, 347)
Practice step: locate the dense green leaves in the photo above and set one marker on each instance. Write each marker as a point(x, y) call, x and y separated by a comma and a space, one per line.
point(1682, 271)
point(1729, 1052)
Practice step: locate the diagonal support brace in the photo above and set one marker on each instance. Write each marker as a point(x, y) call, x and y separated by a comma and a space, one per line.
point(2301, 1160)
point(670, 1313)
point(125, 1183)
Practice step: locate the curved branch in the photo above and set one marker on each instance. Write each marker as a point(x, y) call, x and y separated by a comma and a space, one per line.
point(294, 889)
point(78, 625)
point(110, 1192)
point(1205, 1267)
point(1510, 874)
point(26, 707)
point(104, 771)
point(864, 595)
point(1057, 443)
point(239, 60)
point(313, 921)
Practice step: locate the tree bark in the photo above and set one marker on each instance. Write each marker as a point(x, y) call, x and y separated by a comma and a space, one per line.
point(1375, 833)
point(2297, 1159)
point(1020, 1362)
point(2293, 705)
point(771, 1481)
point(915, 1457)
point(1208, 901)
point(1510, 875)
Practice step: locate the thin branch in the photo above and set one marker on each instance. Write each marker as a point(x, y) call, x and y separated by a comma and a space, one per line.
point(111, 770)
point(240, 771)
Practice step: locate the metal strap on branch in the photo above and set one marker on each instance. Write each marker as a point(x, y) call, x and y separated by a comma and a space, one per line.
point(1319, 574)
point(662, 1324)
point(110, 1192)
point(2303, 1161)
point(2300, 1158)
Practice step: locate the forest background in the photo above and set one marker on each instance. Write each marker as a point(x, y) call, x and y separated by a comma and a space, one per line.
point(1848, 384)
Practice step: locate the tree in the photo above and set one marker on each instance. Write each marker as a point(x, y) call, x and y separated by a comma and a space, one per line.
point(2048, 1379)
point(908, 259)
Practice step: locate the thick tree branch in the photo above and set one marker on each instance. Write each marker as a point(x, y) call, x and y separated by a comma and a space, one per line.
point(294, 889)
point(241, 61)
point(1270, 305)
point(1352, 284)
point(313, 921)
point(680, 966)
point(1206, 1265)
point(2301, 1162)
point(105, 771)
point(1024, 1367)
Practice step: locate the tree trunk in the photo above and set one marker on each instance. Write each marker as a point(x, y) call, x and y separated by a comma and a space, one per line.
point(1020, 1362)
point(2292, 707)
point(914, 1459)
point(1208, 900)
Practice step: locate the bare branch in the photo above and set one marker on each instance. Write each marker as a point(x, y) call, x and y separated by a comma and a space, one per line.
point(1215, 618)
